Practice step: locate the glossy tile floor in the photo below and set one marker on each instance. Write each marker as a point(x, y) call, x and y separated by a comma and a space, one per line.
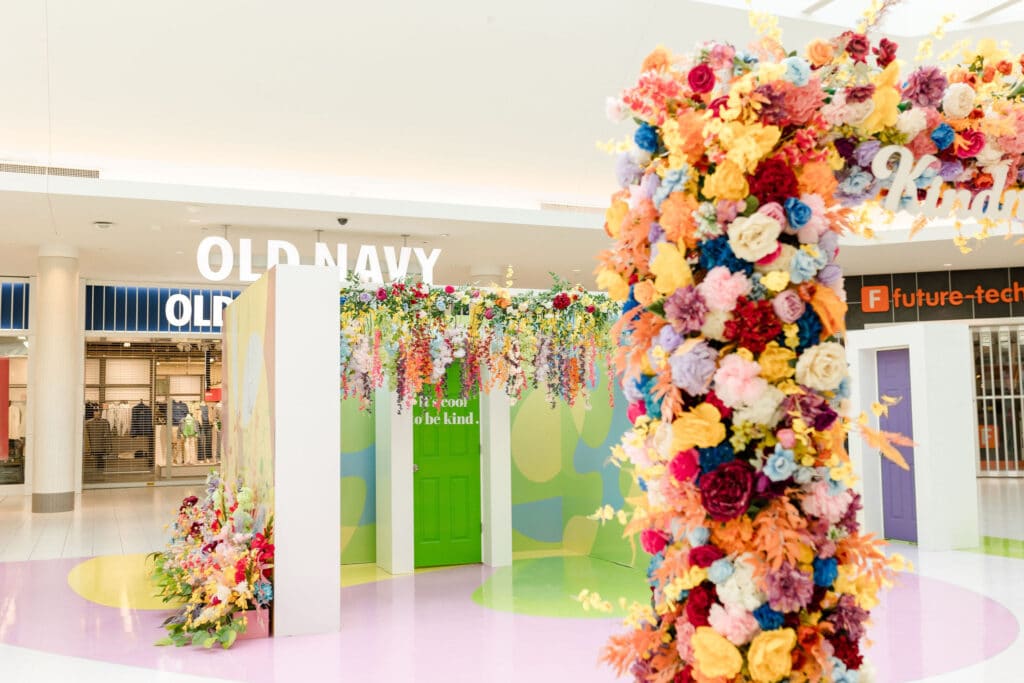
point(955, 620)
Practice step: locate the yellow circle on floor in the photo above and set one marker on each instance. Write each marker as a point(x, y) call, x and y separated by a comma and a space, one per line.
point(117, 581)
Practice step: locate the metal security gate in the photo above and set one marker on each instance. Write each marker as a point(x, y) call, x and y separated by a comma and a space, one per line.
point(999, 391)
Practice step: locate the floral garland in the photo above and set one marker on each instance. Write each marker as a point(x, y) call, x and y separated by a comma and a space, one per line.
point(217, 565)
point(744, 171)
point(406, 335)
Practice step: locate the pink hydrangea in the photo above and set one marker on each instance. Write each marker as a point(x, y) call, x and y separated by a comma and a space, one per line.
point(817, 226)
point(735, 623)
point(684, 633)
point(788, 588)
point(721, 288)
point(819, 501)
point(737, 382)
point(775, 211)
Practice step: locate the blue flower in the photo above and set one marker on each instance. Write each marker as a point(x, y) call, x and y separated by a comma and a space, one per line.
point(720, 571)
point(809, 329)
point(645, 386)
point(717, 252)
point(825, 571)
point(798, 71)
point(767, 618)
point(646, 138)
point(264, 592)
point(441, 305)
point(642, 484)
point(781, 464)
point(943, 136)
point(805, 265)
point(758, 292)
point(840, 674)
point(797, 212)
point(674, 180)
point(711, 458)
point(654, 564)
point(698, 536)
point(857, 185)
point(630, 302)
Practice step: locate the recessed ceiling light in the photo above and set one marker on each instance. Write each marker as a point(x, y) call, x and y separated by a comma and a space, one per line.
point(22, 337)
point(947, 265)
point(444, 234)
point(576, 270)
point(102, 225)
point(127, 345)
point(179, 252)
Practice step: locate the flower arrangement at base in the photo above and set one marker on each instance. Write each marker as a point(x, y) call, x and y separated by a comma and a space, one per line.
point(217, 565)
point(406, 335)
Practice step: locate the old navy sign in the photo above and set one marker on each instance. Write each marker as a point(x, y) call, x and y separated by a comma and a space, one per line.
point(367, 264)
point(112, 308)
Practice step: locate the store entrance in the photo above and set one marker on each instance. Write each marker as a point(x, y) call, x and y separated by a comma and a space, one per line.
point(152, 411)
point(446, 477)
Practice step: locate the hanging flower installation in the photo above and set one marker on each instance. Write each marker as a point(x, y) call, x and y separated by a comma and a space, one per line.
point(406, 335)
point(745, 168)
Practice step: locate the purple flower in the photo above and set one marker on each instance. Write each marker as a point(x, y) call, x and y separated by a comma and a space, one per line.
point(649, 185)
point(925, 86)
point(685, 310)
point(788, 589)
point(812, 408)
point(866, 151)
point(655, 234)
point(849, 617)
point(845, 147)
point(773, 111)
point(627, 171)
point(692, 371)
point(669, 339)
point(951, 170)
point(849, 520)
point(830, 275)
point(829, 243)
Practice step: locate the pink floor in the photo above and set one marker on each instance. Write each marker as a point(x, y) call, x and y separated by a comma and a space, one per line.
point(426, 628)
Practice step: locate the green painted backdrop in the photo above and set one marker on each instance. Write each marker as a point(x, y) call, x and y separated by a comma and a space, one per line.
point(560, 475)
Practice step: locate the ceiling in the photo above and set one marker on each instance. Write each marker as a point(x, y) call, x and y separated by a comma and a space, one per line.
point(474, 119)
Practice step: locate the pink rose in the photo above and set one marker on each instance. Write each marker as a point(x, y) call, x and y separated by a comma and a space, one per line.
point(774, 210)
point(653, 541)
point(971, 142)
point(786, 437)
point(735, 623)
point(685, 466)
point(636, 410)
point(788, 306)
point(705, 555)
point(701, 79)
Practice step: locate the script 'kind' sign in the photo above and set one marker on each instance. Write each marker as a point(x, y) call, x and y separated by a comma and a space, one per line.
point(367, 265)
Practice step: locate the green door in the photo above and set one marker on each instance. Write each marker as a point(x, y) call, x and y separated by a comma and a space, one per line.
point(446, 453)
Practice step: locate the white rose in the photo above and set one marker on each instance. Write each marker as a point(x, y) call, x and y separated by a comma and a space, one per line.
point(990, 154)
point(615, 110)
point(754, 237)
point(714, 325)
point(858, 111)
point(822, 367)
point(781, 262)
point(766, 410)
point(911, 122)
point(958, 101)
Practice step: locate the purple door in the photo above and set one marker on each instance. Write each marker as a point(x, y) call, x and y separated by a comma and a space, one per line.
point(899, 500)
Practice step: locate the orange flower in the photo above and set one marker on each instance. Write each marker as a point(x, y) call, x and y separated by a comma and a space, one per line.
point(658, 60)
point(644, 293)
point(677, 218)
point(691, 135)
point(820, 52)
point(817, 178)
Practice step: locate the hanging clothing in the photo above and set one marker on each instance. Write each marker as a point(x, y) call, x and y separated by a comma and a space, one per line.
point(188, 426)
point(15, 421)
point(159, 452)
point(141, 420)
point(179, 409)
point(98, 441)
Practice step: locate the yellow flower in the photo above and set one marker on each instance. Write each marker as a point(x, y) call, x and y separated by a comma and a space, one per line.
point(613, 283)
point(774, 362)
point(701, 427)
point(715, 656)
point(670, 269)
point(886, 98)
point(727, 182)
point(769, 657)
point(776, 280)
point(614, 216)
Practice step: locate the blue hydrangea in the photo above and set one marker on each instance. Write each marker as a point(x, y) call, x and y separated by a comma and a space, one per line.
point(655, 563)
point(720, 571)
point(630, 302)
point(797, 213)
point(645, 386)
point(798, 71)
point(809, 329)
point(781, 464)
point(768, 619)
point(826, 570)
point(698, 536)
point(674, 180)
point(711, 458)
point(758, 292)
point(264, 592)
point(646, 138)
point(840, 674)
point(717, 252)
point(943, 136)
point(858, 184)
point(806, 263)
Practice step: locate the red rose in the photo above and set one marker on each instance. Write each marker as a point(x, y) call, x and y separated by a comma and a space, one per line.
point(561, 301)
point(591, 308)
point(449, 290)
point(860, 93)
point(684, 676)
point(885, 53)
point(382, 294)
point(705, 555)
point(698, 605)
point(972, 143)
point(686, 465)
point(653, 541)
point(753, 324)
point(701, 79)
point(717, 104)
point(847, 651)
point(774, 181)
point(857, 46)
point(724, 410)
point(726, 490)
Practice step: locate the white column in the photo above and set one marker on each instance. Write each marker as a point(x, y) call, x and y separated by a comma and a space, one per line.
point(496, 477)
point(396, 551)
point(56, 354)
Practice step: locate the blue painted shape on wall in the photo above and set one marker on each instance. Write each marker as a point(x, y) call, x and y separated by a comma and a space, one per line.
point(540, 520)
point(361, 464)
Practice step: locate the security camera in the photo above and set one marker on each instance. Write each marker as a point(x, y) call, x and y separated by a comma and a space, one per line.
point(342, 221)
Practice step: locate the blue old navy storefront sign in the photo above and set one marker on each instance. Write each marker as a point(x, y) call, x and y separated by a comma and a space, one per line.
point(113, 308)
point(14, 306)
